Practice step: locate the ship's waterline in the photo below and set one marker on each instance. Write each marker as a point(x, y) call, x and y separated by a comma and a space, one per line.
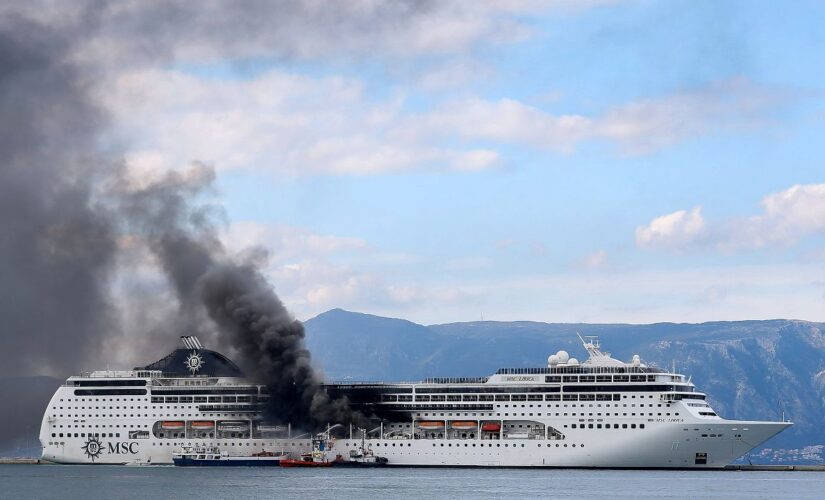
point(598, 413)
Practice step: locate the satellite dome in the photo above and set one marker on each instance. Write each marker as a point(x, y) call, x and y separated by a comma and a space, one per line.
point(563, 357)
point(636, 360)
point(573, 361)
point(552, 360)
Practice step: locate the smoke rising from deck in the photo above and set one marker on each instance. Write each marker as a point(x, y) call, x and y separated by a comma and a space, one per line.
point(234, 295)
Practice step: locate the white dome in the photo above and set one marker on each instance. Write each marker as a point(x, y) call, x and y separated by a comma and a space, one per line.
point(573, 361)
point(563, 357)
point(552, 360)
point(636, 360)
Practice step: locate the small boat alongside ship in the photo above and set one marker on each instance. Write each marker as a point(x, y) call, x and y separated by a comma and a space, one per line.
point(319, 456)
point(212, 456)
point(361, 458)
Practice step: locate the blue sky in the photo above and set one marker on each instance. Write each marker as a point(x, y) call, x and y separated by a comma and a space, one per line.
point(617, 161)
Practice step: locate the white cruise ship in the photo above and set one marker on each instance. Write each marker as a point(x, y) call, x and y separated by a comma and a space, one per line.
point(598, 413)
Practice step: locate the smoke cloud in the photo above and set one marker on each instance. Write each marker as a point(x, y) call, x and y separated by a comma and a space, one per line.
point(70, 212)
point(57, 246)
point(215, 289)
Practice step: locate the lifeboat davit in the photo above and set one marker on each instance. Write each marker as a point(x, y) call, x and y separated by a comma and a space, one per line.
point(202, 424)
point(491, 427)
point(172, 425)
point(463, 425)
point(431, 425)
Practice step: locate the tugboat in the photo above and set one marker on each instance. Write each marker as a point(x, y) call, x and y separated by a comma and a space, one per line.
point(362, 457)
point(212, 456)
point(316, 458)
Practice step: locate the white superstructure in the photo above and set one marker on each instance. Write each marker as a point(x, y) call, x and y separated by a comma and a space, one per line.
point(598, 413)
point(193, 396)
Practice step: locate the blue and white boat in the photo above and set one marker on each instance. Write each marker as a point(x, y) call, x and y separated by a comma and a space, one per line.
point(212, 456)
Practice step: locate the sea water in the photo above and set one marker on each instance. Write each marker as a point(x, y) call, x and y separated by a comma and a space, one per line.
point(91, 482)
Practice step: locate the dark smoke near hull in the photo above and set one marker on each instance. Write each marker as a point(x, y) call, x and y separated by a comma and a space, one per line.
point(244, 306)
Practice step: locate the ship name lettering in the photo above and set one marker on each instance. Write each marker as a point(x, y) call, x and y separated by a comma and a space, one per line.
point(521, 378)
point(123, 448)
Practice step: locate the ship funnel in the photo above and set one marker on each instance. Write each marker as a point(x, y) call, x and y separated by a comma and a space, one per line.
point(191, 342)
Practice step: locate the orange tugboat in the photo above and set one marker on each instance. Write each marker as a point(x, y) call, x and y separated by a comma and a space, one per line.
point(316, 458)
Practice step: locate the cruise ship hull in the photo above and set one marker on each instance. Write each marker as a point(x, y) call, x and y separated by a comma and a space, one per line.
point(663, 446)
point(666, 447)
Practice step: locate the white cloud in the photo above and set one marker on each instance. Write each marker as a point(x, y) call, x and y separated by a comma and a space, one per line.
point(129, 32)
point(790, 214)
point(275, 122)
point(636, 127)
point(307, 271)
point(595, 260)
point(651, 124)
point(692, 294)
point(505, 120)
point(286, 243)
point(786, 217)
point(675, 230)
point(468, 264)
point(300, 125)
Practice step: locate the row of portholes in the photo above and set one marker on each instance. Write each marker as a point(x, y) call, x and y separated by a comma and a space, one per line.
point(498, 445)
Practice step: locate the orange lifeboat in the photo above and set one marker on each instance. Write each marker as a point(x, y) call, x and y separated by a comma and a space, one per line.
point(464, 425)
point(203, 424)
point(431, 425)
point(491, 427)
point(172, 425)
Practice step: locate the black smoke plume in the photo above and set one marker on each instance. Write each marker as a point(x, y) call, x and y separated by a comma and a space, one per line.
point(234, 295)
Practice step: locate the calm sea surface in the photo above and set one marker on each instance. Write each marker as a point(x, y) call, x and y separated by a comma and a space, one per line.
point(89, 482)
